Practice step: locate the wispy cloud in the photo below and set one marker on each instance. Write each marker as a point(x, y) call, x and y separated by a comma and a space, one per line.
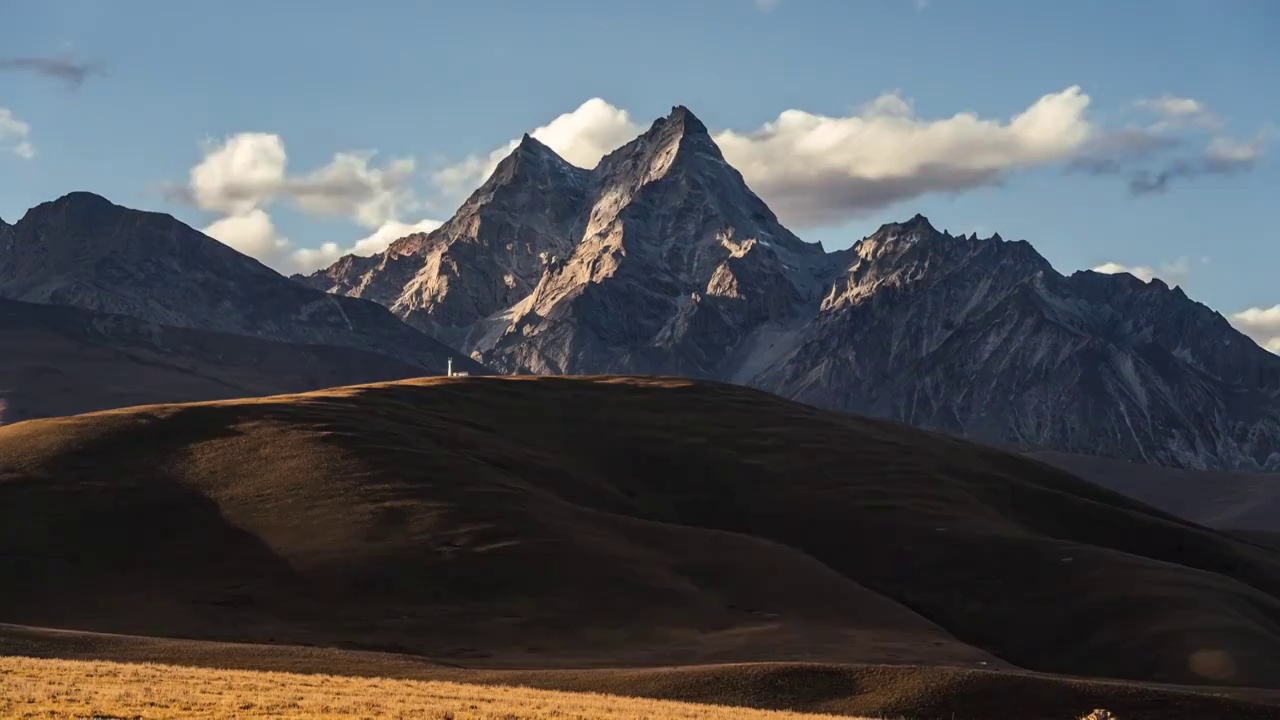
point(65, 69)
point(1109, 152)
point(1224, 156)
point(1156, 155)
point(1179, 112)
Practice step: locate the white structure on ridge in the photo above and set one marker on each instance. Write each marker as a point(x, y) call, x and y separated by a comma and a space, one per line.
point(461, 373)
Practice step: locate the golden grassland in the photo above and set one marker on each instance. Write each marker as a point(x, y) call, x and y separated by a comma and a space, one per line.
point(40, 688)
point(44, 688)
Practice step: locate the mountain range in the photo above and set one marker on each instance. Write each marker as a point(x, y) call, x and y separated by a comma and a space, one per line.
point(838, 561)
point(102, 306)
point(661, 260)
point(83, 251)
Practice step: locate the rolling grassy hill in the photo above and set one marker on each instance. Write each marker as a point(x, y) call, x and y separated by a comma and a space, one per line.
point(610, 522)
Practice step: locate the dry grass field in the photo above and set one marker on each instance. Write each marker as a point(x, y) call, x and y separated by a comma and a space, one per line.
point(38, 688)
point(917, 692)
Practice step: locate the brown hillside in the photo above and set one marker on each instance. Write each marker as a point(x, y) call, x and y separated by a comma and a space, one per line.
point(517, 522)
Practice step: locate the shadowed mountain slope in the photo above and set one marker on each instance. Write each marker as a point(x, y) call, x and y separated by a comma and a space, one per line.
point(535, 522)
point(63, 360)
point(82, 251)
point(1215, 498)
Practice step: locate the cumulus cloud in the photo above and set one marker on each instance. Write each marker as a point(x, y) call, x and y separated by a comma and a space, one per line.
point(814, 169)
point(15, 131)
point(1177, 272)
point(1261, 324)
point(249, 170)
point(389, 233)
point(244, 174)
point(581, 137)
point(307, 260)
point(65, 69)
point(254, 234)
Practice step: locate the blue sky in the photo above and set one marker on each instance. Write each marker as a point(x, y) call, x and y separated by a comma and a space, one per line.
point(436, 88)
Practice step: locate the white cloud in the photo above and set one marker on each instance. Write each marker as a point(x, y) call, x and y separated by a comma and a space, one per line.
point(581, 137)
point(254, 234)
point(389, 233)
point(1261, 324)
point(766, 5)
point(308, 260)
point(17, 131)
point(814, 169)
point(1177, 272)
point(249, 170)
point(244, 174)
